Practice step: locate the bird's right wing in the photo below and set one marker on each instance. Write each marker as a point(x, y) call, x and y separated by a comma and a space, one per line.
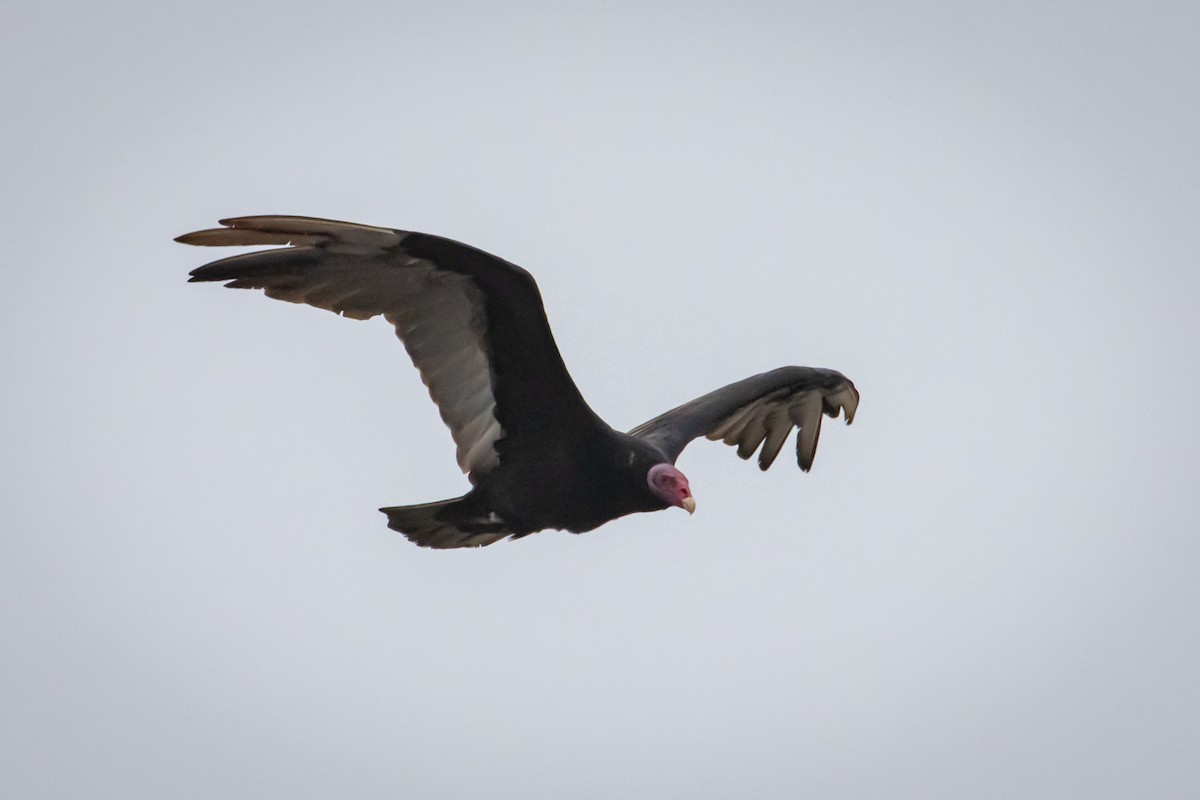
point(762, 410)
point(473, 324)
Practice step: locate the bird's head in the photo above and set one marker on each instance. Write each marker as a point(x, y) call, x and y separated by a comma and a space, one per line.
point(671, 486)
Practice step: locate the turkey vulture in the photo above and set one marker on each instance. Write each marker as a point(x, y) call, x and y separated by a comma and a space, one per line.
point(536, 455)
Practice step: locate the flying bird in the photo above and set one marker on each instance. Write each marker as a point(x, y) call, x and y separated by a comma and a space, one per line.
point(536, 454)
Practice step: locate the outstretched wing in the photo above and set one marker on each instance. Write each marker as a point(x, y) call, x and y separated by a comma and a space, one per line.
point(473, 324)
point(758, 410)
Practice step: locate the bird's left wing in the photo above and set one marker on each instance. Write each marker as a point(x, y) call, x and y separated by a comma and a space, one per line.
point(473, 323)
point(762, 410)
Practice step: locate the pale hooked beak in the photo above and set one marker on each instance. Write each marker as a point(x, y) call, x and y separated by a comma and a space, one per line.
point(689, 505)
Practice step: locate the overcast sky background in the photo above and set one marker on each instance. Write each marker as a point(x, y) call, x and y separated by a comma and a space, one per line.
point(985, 216)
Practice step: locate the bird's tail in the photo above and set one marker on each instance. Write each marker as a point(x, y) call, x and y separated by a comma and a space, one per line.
point(447, 524)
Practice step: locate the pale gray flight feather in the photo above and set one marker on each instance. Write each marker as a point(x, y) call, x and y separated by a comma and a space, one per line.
point(356, 271)
point(760, 410)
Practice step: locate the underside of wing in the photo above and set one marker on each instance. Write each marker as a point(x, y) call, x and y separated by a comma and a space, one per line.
point(758, 411)
point(450, 304)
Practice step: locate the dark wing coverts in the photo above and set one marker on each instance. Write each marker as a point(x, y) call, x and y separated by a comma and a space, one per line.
point(762, 410)
point(473, 324)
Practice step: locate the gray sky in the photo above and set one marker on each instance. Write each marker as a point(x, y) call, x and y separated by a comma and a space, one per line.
point(987, 587)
